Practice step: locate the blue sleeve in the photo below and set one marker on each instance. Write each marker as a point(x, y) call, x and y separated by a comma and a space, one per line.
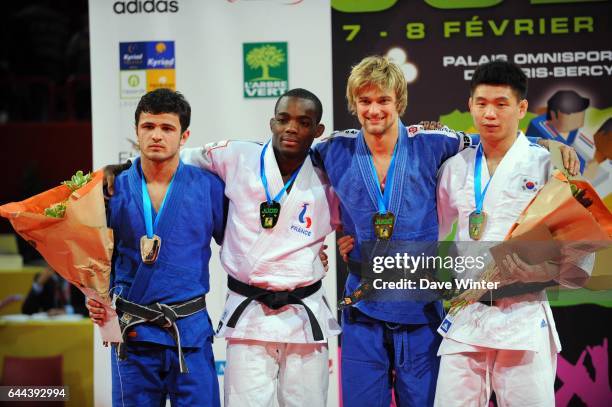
point(219, 206)
point(443, 144)
point(317, 154)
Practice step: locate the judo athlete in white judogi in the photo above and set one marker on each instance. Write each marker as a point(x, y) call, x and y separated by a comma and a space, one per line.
point(276, 318)
point(510, 345)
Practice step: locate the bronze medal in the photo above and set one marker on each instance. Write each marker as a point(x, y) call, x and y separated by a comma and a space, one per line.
point(477, 223)
point(269, 214)
point(149, 249)
point(383, 225)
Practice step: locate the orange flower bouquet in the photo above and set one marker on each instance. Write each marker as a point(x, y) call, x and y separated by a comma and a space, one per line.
point(67, 225)
point(567, 213)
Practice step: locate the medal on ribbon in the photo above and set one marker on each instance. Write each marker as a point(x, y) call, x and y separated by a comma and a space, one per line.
point(269, 211)
point(477, 222)
point(478, 219)
point(149, 249)
point(383, 225)
point(384, 220)
point(150, 244)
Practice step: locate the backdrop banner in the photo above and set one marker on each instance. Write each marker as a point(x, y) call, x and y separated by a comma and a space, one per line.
point(563, 47)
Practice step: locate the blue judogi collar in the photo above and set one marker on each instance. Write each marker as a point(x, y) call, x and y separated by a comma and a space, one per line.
point(164, 226)
point(363, 157)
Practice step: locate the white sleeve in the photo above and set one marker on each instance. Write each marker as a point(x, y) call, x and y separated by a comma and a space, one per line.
point(447, 212)
point(197, 157)
point(211, 157)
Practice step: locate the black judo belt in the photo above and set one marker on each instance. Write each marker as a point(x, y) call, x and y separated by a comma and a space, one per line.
point(274, 300)
point(162, 315)
point(515, 289)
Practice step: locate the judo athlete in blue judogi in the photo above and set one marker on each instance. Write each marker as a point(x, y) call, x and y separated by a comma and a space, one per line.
point(163, 214)
point(385, 174)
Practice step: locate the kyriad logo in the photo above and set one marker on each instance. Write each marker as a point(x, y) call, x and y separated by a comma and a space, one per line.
point(145, 6)
point(160, 55)
point(145, 66)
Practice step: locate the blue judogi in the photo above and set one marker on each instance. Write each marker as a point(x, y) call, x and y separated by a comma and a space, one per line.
point(385, 332)
point(193, 212)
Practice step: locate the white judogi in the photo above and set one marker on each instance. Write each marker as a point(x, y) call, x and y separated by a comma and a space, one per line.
point(514, 343)
point(283, 258)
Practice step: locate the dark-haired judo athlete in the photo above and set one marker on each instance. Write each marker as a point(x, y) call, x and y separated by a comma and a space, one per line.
point(163, 214)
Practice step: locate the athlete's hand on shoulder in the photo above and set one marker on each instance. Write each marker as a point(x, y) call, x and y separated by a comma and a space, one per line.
point(110, 172)
point(97, 313)
point(568, 155)
point(345, 245)
point(570, 159)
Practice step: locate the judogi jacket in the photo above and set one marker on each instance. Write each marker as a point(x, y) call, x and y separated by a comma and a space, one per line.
point(193, 213)
point(510, 324)
point(345, 158)
point(283, 258)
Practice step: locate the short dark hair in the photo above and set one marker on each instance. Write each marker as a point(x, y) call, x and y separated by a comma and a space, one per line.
point(164, 100)
point(501, 73)
point(566, 101)
point(303, 94)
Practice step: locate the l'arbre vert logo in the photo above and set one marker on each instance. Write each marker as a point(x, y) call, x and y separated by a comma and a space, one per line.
point(265, 69)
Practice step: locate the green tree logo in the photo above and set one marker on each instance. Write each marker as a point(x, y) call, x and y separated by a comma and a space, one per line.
point(265, 57)
point(133, 80)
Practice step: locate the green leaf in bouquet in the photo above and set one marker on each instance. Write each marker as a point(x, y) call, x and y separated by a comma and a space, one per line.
point(78, 180)
point(580, 195)
point(56, 210)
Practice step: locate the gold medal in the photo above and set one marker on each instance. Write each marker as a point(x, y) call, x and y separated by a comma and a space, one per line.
point(383, 225)
point(149, 248)
point(477, 223)
point(269, 213)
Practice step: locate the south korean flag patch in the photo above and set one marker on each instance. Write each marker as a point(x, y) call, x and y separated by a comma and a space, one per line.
point(529, 185)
